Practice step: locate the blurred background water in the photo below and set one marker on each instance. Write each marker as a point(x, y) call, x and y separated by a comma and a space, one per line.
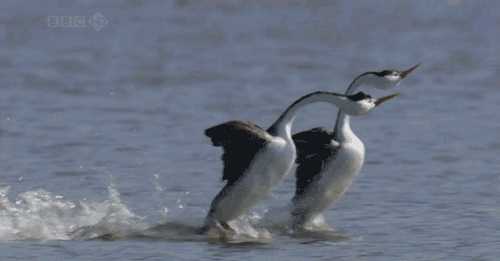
point(103, 107)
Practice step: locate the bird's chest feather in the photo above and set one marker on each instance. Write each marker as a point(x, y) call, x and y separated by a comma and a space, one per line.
point(269, 166)
point(340, 170)
point(273, 163)
point(350, 156)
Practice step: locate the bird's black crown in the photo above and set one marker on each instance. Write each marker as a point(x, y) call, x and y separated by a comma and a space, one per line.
point(358, 96)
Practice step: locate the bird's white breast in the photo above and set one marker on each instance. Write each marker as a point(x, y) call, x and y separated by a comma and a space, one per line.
point(268, 167)
point(335, 179)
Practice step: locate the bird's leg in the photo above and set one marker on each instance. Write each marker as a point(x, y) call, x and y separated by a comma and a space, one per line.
point(202, 230)
point(298, 220)
point(227, 227)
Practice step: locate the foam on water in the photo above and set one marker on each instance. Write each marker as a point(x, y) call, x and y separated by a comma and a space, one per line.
point(42, 215)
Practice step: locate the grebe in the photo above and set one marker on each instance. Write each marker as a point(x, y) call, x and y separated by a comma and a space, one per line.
point(328, 161)
point(256, 159)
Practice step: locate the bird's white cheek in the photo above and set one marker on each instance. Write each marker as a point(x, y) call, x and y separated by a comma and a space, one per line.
point(366, 108)
point(358, 109)
point(389, 82)
point(393, 78)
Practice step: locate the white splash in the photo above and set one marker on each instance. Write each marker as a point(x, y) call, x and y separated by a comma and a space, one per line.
point(41, 215)
point(158, 195)
point(243, 230)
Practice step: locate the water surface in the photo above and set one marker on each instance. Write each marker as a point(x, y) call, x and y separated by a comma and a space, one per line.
point(101, 125)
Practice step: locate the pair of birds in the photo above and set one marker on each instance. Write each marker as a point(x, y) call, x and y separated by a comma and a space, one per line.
point(255, 160)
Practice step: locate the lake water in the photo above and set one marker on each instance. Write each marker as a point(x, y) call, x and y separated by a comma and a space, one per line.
point(103, 107)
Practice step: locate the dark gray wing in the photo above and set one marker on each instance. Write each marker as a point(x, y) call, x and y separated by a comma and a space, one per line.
point(314, 148)
point(240, 141)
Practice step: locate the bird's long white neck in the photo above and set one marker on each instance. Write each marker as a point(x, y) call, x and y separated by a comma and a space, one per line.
point(283, 125)
point(342, 129)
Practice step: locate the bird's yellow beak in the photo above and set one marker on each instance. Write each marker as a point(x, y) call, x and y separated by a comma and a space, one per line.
point(385, 98)
point(406, 72)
